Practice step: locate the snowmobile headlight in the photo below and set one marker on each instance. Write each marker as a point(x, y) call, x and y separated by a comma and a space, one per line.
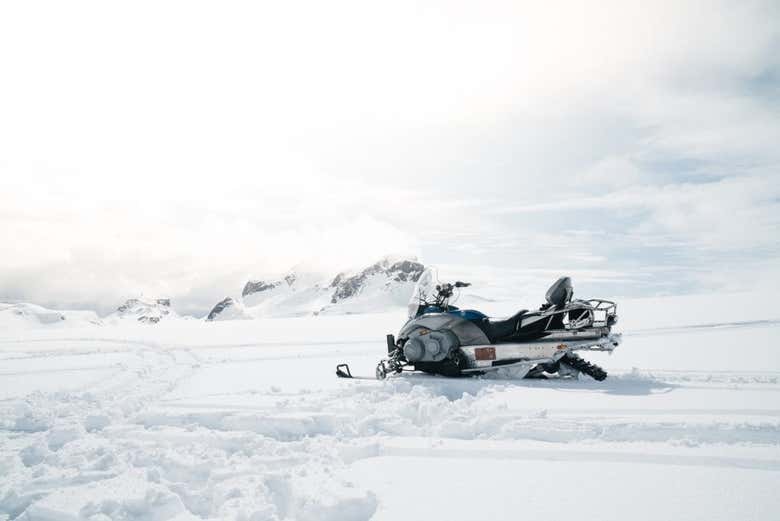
point(432, 347)
point(414, 350)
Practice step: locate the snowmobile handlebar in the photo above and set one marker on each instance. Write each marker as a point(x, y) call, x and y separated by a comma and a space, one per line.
point(445, 290)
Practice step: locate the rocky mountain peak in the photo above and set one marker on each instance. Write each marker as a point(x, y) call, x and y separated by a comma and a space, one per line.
point(384, 284)
point(145, 311)
point(257, 286)
point(220, 307)
point(398, 271)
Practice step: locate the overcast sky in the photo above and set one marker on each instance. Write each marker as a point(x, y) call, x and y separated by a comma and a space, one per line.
point(178, 148)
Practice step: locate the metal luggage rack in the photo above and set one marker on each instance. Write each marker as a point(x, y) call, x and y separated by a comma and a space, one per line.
point(596, 313)
point(607, 307)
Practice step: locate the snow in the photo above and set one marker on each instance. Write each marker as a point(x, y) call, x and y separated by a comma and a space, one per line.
point(228, 309)
point(144, 310)
point(385, 284)
point(245, 419)
point(25, 315)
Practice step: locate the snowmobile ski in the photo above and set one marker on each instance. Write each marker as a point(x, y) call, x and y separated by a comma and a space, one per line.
point(342, 371)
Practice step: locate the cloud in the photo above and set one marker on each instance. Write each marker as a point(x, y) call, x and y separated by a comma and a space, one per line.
point(178, 148)
point(98, 254)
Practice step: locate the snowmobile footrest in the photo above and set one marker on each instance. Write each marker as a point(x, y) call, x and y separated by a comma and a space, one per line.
point(342, 371)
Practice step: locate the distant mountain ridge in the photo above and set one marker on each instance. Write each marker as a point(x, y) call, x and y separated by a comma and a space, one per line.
point(227, 309)
point(32, 314)
point(399, 271)
point(384, 284)
point(147, 311)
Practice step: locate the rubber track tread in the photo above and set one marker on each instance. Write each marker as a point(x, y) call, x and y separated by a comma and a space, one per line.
point(582, 365)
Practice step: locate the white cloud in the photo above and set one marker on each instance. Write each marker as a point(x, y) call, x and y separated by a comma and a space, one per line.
point(177, 148)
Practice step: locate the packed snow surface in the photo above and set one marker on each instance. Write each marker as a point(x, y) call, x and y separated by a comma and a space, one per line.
point(245, 419)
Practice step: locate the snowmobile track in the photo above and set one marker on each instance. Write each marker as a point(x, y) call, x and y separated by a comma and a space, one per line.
point(582, 365)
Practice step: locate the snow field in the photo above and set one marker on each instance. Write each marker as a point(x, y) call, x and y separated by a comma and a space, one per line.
point(249, 422)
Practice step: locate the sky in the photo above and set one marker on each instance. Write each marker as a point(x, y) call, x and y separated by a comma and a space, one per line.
point(176, 149)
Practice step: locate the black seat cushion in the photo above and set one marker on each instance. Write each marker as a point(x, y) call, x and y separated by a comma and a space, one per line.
point(560, 292)
point(496, 330)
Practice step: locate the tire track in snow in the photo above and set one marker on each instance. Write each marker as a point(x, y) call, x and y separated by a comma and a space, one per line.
point(568, 455)
point(702, 327)
point(169, 473)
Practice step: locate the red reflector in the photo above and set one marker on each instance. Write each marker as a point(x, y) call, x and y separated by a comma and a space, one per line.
point(485, 353)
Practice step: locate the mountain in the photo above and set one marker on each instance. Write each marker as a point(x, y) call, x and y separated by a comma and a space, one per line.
point(387, 272)
point(385, 284)
point(24, 314)
point(145, 311)
point(294, 294)
point(227, 309)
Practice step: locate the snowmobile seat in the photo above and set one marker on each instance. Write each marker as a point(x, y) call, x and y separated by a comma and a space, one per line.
point(560, 292)
point(497, 330)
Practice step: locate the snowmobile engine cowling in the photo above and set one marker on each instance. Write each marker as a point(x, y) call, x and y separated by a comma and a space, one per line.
point(430, 346)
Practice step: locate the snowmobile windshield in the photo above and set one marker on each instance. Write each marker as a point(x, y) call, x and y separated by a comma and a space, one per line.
point(424, 291)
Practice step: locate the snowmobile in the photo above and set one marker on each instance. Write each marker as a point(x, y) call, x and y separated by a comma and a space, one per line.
point(439, 338)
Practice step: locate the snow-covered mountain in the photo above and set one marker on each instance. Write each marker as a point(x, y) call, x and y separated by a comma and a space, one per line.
point(147, 311)
point(228, 309)
point(25, 314)
point(385, 284)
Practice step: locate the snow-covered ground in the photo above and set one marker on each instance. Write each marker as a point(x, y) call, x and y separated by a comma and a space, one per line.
point(245, 419)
